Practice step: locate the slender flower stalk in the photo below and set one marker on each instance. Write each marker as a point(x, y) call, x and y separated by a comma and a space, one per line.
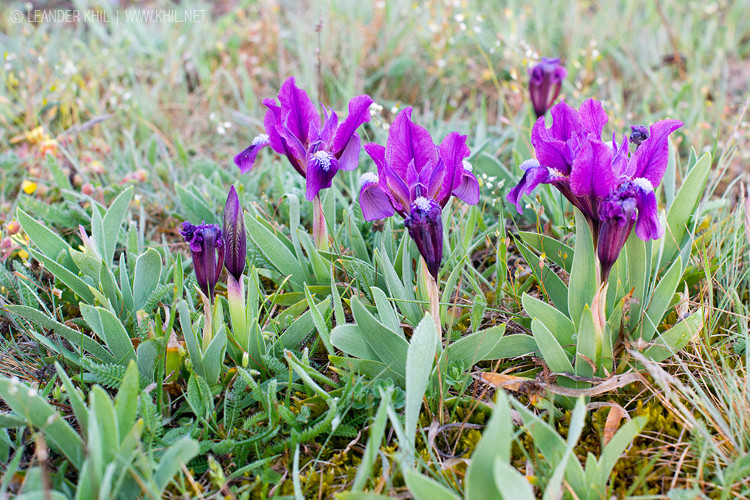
point(236, 255)
point(320, 229)
point(613, 188)
point(316, 149)
point(545, 82)
point(416, 178)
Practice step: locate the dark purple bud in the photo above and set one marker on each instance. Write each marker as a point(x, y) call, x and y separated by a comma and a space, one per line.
point(235, 236)
point(617, 215)
point(207, 248)
point(545, 83)
point(426, 229)
point(638, 135)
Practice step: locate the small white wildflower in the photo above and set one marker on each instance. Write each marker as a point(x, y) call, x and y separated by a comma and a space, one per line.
point(467, 166)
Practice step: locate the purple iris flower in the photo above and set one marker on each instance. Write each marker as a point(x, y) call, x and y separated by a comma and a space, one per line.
point(416, 178)
point(613, 188)
point(316, 149)
point(545, 81)
point(207, 247)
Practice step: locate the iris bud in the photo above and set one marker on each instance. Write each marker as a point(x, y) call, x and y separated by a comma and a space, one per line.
point(426, 229)
point(207, 247)
point(235, 236)
point(545, 83)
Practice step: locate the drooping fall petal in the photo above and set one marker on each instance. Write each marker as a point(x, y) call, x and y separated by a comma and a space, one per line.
point(375, 203)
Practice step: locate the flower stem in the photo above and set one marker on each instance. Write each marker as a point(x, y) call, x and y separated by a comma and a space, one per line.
point(320, 229)
point(433, 295)
point(237, 313)
point(208, 332)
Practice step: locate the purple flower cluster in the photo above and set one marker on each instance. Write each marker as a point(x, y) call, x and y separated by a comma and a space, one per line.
point(316, 149)
point(209, 246)
point(613, 188)
point(416, 178)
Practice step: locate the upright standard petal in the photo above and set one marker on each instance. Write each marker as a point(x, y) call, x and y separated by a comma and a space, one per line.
point(551, 152)
point(408, 141)
point(359, 113)
point(425, 227)
point(349, 159)
point(389, 182)
point(272, 124)
point(593, 117)
point(566, 124)
point(298, 111)
point(453, 151)
point(235, 236)
point(321, 169)
point(592, 174)
point(650, 159)
point(375, 203)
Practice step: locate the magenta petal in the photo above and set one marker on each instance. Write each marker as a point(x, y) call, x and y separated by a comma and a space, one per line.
point(453, 150)
point(408, 141)
point(330, 125)
point(298, 111)
point(377, 153)
point(565, 121)
point(374, 202)
point(551, 152)
point(272, 124)
point(533, 176)
point(592, 174)
point(468, 189)
point(295, 159)
point(593, 117)
point(321, 169)
point(435, 180)
point(650, 159)
point(647, 227)
point(246, 159)
point(349, 159)
point(359, 113)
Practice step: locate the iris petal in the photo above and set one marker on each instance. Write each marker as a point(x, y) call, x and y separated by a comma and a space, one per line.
point(530, 180)
point(359, 113)
point(375, 202)
point(321, 169)
point(647, 226)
